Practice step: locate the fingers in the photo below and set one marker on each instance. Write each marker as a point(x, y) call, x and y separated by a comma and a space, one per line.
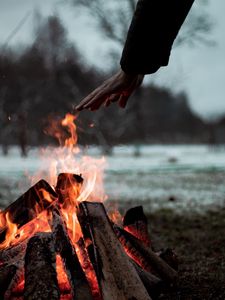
point(114, 97)
point(107, 102)
point(111, 99)
point(95, 102)
point(118, 88)
point(99, 99)
point(123, 100)
point(92, 101)
point(98, 93)
point(85, 101)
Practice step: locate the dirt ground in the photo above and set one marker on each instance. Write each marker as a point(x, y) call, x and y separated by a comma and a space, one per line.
point(199, 241)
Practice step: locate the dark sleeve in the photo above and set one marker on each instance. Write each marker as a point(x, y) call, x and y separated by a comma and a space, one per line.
point(153, 29)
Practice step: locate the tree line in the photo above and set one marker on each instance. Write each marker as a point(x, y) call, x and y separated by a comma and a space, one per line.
point(49, 77)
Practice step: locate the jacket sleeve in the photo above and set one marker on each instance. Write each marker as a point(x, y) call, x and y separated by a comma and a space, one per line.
point(153, 29)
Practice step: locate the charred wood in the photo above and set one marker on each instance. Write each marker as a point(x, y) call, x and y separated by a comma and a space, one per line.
point(26, 207)
point(170, 257)
point(136, 223)
point(63, 245)
point(13, 254)
point(40, 273)
point(152, 283)
point(117, 276)
point(7, 273)
point(15, 288)
point(145, 257)
point(89, 269)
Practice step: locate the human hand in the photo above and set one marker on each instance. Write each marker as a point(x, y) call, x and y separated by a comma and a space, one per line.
point(118, 88)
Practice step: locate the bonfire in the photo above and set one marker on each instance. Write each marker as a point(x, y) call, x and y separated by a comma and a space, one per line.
point(57, 240)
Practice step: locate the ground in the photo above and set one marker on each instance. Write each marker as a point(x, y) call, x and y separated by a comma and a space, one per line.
point(199, 243)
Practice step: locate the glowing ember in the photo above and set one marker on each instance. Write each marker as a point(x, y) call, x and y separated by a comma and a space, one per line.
point(63, 281)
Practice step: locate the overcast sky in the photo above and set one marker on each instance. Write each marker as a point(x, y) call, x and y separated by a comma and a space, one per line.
point(200, 71)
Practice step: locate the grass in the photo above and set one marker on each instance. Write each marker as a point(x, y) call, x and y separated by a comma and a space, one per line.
point(199, 242)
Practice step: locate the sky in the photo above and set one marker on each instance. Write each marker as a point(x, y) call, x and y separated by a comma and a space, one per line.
point(200, 71)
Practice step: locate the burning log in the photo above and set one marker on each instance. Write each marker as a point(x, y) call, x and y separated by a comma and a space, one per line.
point(89, 269)
point(15, 288)
point(7, 273)
point(68, 187)
point(144, 256)
point(11, 268)
point(136, 223)
point(27, 207)
point(95, 267)
point(117, 276)
point(40, 273)
point(13, 254)
point(64, 247)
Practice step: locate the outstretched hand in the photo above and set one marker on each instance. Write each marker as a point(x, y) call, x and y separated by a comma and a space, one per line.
point(118, 88)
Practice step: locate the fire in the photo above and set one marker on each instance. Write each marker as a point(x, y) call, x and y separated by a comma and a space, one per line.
point(64, 159)
point(15, 235)
point(61, 274)
point(10, 233)
point(67, 158)
point(68, 121)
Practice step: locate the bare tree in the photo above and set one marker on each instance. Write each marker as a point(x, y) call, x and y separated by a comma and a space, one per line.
point(114, 16)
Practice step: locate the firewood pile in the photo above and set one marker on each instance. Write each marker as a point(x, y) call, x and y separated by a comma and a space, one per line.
point(40, 258)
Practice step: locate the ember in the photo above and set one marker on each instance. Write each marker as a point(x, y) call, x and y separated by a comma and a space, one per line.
point(57, 241)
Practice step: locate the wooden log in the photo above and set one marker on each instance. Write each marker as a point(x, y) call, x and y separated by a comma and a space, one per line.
point(117, 276)
point(26, 207)
point(7, 273)
point(136, 223)
point(145, 257)
point(12, 259)
point(89, 269)
point(40, 273)
point(170, 257)
point(63, 245)
point(15, 288)
point(152, 283)
point(13, 254)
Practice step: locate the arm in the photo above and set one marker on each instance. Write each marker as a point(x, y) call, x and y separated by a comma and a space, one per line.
point(152, 32)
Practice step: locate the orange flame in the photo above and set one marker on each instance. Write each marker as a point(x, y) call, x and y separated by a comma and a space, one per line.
point(68, 122)
point(67, 158)
point(15, 235)
point(64, 159)
point(11, 232)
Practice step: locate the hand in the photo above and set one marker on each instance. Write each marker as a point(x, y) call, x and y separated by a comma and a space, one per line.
point(118, 88)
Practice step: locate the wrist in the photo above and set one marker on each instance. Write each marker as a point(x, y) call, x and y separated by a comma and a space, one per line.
point(128, 76)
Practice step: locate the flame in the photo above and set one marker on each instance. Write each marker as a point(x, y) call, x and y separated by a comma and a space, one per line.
point(15, 235)
point(67, 158)
point(11, 231)
point(68, 122)
point(115, 217)
point(2, 220)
